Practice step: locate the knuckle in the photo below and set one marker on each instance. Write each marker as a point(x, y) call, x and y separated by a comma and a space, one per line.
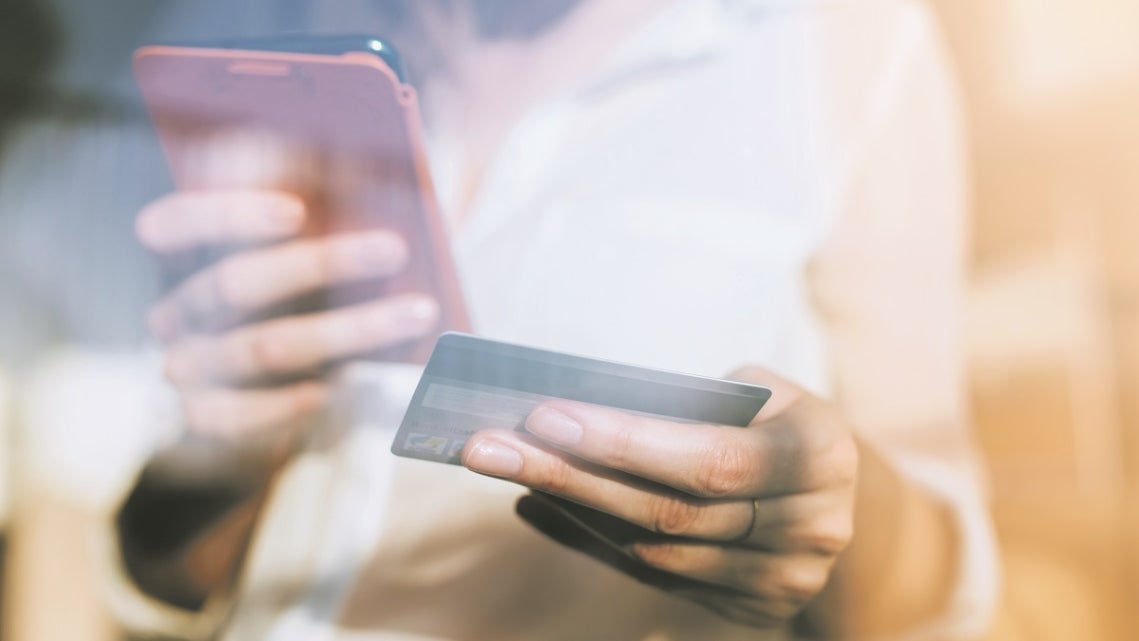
point(306, 398)
point(558, 478)
point(658, 555)
point(828, 537)
point(829, 455)
point(797, 583)
point(229, 286)
point(692, 560)
point(264, 353)
point(723, 471)
point(621, 445)
point(840, 461)
point(673, 516)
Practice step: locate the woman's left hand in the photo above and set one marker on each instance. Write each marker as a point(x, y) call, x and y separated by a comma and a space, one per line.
point(746, 521)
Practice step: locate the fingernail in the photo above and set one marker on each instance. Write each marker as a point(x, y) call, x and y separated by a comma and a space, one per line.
point(419, 311)
point(554, 426)
point(494, 459)
point(409, 317)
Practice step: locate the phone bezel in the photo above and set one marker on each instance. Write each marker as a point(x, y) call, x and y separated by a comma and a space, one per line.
point(320, 44)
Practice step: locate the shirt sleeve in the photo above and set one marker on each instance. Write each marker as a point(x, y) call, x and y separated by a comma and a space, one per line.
point(311, 541)
point(890, 287)
point(143, 615)
point(88, 422)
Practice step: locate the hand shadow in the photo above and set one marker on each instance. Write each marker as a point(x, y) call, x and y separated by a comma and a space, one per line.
point(606, 538)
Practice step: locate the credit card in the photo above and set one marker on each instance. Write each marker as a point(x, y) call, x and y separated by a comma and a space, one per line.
point(471, 384)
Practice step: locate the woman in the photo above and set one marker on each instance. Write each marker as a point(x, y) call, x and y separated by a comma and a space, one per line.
point(693, 185)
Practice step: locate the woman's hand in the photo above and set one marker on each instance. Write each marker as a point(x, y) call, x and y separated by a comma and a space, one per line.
point(224, 364)
point(250, 383)
point(746, 521)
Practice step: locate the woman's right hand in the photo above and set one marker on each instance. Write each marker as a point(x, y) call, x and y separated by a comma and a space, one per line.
point(223, 362)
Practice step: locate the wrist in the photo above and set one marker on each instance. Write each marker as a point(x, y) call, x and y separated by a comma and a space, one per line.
point(186, 525)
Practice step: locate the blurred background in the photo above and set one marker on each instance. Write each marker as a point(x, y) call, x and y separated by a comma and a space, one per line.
point(1052, 90)
point(1052, 94)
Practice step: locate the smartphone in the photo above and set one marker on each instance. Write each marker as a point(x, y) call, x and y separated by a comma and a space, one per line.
point(329, 118)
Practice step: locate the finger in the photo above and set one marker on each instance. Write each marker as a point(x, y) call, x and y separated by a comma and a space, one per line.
point(522, 459)
point(301, 344)
point(804, 448)
point(783, 577)
point(547, 517)
point(779, 583)
point(188, 220)
point(254, 280)
point(818, 523)
point(232, 413)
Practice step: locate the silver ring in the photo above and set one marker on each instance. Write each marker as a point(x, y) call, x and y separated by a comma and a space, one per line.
point(751, 526)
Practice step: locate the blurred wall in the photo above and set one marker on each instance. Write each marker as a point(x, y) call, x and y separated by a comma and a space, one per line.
point(1052, 88)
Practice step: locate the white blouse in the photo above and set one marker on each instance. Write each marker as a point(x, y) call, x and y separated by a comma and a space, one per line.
point(777, 183)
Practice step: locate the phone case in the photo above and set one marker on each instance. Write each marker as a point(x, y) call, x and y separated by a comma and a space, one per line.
point(341, 131)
